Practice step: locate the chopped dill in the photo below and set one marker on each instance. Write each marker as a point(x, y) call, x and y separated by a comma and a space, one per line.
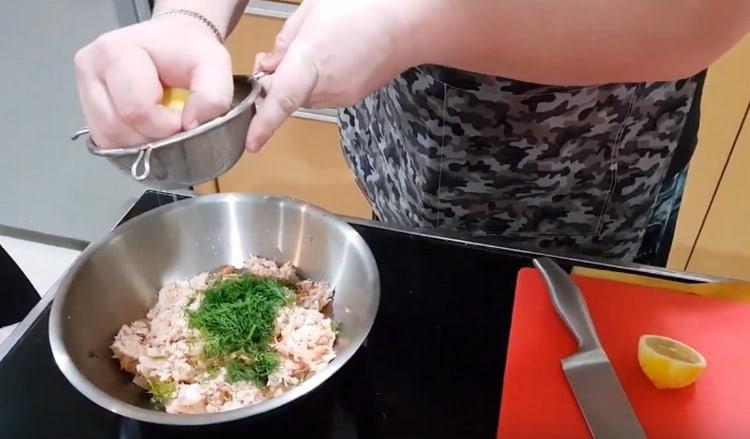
point(336, 327)
point(255, 367)
point(237, 319)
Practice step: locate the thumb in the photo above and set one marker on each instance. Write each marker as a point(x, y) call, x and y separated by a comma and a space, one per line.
point(291, 87)
point(211, 90)
point(270, 62)
point(260, 56)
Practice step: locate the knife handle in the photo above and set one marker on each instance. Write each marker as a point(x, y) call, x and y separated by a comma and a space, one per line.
point(569, 303)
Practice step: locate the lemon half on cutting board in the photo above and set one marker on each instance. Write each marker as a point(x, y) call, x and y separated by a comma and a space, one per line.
point(668, 363)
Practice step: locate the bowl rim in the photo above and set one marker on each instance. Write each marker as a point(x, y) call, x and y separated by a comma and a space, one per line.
point(233, 113)
point(119, 407)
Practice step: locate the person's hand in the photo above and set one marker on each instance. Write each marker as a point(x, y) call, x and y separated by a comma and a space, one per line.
point(332, 53)
point(121, 74)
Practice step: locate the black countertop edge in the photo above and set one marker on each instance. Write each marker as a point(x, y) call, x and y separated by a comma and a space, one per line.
point(453, 239)
point(662, 272)
point(43, 238)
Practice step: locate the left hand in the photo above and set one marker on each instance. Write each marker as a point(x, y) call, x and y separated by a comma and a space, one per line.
point(332, 53)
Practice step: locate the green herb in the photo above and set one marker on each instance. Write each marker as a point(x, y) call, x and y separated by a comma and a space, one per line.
point(336, 327)
point(161, 392)
point(255, 367)
point(237, 318)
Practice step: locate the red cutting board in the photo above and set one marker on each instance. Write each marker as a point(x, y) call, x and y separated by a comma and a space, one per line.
point(538, 403)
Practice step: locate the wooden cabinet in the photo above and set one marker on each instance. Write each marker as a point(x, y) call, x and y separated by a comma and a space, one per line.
point(709, 221)
point(725, 97)
point(304, 159)
point(723, 245)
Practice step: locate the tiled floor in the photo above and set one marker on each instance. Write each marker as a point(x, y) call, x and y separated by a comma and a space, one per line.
point(42, 264)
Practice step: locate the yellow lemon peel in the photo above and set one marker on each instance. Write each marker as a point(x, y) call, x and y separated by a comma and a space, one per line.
point(175, 98)
point(668, 363)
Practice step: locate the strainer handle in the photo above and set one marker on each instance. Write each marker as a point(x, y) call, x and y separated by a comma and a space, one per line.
point(79, 133)
point(257, 76)
point(144, 157)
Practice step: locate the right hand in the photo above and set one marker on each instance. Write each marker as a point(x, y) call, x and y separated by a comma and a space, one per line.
point(121, 74)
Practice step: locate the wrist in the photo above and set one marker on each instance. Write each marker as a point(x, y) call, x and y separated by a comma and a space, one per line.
point(218, 12)
point(184, 26)
point(196, 18)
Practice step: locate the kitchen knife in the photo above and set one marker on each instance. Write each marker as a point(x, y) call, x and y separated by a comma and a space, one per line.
point(589, 372)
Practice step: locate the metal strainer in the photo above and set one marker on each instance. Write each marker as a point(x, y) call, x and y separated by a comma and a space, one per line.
point(190, 157)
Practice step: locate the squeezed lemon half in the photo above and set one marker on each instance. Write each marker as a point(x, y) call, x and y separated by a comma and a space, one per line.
point(668, 363)
point(175, 98)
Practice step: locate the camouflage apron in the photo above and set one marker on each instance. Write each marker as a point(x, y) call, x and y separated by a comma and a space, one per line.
point(559, 169)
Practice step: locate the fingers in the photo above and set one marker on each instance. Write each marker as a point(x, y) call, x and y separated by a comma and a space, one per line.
point(107, 129)
point(136, 92)
point(211, 89)
point(258, 58)
point(293, 82)
point(266, 82)
point(120, 76)
point(270, 62)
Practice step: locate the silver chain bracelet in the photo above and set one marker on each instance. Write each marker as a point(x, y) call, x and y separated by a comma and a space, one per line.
point(196, 15)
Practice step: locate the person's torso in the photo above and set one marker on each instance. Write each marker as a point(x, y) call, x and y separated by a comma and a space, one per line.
point(540, 166)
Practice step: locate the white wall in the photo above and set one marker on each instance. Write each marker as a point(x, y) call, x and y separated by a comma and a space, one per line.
point(48, 183)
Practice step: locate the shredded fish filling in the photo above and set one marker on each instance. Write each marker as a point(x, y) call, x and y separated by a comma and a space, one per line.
point(176, 361)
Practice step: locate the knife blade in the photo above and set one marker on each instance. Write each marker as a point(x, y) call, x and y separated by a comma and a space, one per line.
point(589, 372)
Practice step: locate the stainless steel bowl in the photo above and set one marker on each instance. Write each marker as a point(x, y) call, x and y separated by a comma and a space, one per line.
point(190, 157)
point(115, 281)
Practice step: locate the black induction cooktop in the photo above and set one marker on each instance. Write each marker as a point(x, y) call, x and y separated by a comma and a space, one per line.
point(432, 366)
